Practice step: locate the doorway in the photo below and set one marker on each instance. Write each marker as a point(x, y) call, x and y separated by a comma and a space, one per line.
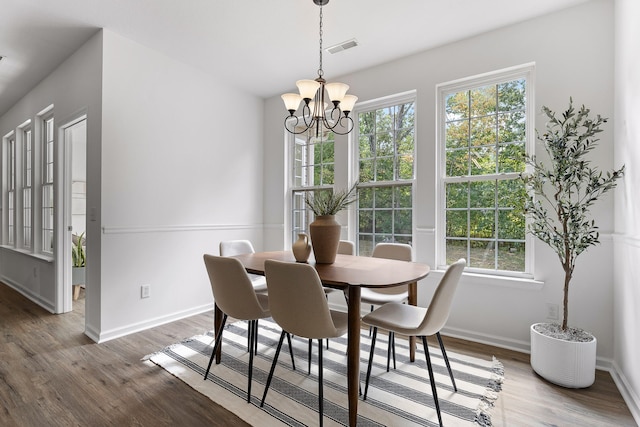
point(75, 218)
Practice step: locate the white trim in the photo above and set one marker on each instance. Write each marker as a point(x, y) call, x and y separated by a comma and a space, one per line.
point(147, 324)
point(629, 395)
point(116, 229)
point(627, 239)
point(31, 296)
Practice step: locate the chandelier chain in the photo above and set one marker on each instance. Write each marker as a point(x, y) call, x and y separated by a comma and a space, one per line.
point(320, 72)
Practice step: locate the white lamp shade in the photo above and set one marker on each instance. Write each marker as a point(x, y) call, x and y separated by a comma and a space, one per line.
point(348, 102)
point(291, 101)
point(336, 91)
point(307, 88)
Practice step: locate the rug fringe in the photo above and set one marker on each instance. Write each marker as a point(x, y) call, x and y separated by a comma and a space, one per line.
point(483, 416)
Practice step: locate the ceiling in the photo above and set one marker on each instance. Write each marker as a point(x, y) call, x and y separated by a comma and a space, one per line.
point(261, 46)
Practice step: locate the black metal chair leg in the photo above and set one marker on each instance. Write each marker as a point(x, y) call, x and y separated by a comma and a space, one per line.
point(370, 326)
point(273, 368)
point(320, 388)
point(393, 349)
point(309, 357)
point(293, 363)
point(373, 347)
point(389, 345)
point(446, 360)
point(253, 326)
point(432, 379)
point(255, 339)
point(215, 346)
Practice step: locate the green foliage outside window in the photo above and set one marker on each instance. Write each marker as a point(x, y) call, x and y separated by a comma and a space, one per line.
point(386, 170)
point(485, 138)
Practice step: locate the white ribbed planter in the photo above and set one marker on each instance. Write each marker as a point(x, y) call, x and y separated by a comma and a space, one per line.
point(566, 363)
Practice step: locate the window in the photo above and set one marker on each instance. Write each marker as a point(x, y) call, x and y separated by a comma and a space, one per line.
point(47, 184)
point(386, 152)
point(26, 187)
point(312, 169)
point(11, 191)
point(483, 138)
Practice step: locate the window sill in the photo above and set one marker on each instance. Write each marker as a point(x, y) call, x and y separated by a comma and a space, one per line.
point(526, 283)
point(42, 257)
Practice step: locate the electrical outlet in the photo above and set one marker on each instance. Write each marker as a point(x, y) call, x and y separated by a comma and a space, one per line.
point(553, 311)
point(145, 291)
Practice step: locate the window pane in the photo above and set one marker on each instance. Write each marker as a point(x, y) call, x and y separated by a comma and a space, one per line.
point(482, 194)
point(456, 249)
point(384, 144)
point(483, 101)
point(457, 224)
point(457, 162)
point(457, 106)
point(482, 223)
point(367, 123)
point(402, 223)
point(511, 224)
point(366, 170)
point(384, 221)
point(457, 194)
point(483, 160)
point(365, 244)
point(384, 197)
point(511, 127)
point(511, 256)
point(365, 198)
point(403, 197)
point(384, 120)
point(365, 222)
point(384, 169)
point(457, 134)
point(482, 254)
point(511, 158)
point(511, 95)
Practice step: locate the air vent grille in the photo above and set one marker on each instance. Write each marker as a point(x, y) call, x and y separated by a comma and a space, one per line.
point(342, 46)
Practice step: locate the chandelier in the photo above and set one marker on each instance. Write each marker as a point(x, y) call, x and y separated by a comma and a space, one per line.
point(315, 93)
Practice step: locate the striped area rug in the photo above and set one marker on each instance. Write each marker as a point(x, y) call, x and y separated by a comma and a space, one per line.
point(401, 397)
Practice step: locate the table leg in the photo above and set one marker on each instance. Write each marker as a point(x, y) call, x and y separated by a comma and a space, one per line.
point(353, 353)
point(217, 322)
point(413, 300)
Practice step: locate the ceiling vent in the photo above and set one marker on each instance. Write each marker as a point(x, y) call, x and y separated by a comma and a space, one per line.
point(342, 46)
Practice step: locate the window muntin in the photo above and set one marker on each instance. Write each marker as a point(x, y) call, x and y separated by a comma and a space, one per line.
point(47, 185)
point(27, 148)
point(386, 152)
point(484, 140)
point(312, 169)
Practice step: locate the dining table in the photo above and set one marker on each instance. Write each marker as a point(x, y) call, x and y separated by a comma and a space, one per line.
point(349, 273)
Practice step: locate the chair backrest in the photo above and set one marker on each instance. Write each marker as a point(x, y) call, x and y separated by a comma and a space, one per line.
point(297, 300)
point(440, 305)
point(235, 247)
point(399, 251)
point(232, 289)
point(346, 247)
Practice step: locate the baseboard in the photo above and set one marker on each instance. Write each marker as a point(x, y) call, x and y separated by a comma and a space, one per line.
point(488, 339)
point(47, 305)
point(104, 336)
point(629, 395)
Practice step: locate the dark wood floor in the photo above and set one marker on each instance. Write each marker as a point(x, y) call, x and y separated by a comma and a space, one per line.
point(51, 374)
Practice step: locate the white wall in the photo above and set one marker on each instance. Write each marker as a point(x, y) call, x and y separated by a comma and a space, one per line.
point(182, 168)
point(573, 52)
point(75, 85)
point(627, 218)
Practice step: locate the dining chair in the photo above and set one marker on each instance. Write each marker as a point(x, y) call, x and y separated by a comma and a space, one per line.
point(299, 306)
point(421, 322)
point(239, 247)
point(346, 247)
point(234, 295)
point(398, 251)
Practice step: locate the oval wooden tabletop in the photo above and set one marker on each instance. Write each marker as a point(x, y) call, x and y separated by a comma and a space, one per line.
point(347, 270)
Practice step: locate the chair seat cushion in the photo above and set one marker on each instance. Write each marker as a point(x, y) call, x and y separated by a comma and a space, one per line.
point(400, 318)
point(369, 296)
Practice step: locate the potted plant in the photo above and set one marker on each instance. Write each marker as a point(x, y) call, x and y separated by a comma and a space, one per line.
point(559, 196)
point(325, 230)
point(78, 260)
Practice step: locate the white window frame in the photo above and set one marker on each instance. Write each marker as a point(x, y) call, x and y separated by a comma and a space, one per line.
point(27, 187)
point(525, 71)
point(11, 190)
point(47, 184)
point(298, 208)
point(376, 104)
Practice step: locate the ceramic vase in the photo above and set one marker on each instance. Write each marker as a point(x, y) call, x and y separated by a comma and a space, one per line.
point(325, 236)
point(301, 248)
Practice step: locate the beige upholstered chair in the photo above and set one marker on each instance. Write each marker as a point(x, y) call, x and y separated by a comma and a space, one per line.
point(346, 247)
point(419, 321)
point(234, 295)
point(299, 306)
point(399, 251)
point(238, 247)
